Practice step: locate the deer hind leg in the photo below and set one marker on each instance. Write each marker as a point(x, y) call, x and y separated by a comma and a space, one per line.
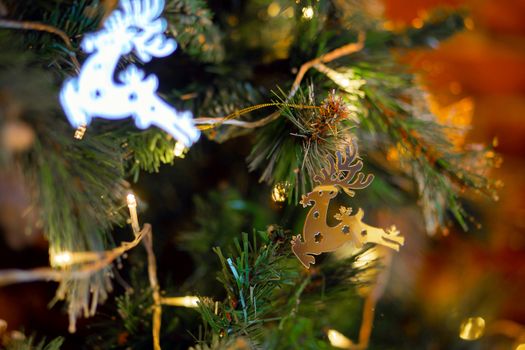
point(174, 130)
point(300, 249)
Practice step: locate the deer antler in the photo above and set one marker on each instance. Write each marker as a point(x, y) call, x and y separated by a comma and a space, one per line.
point(151, 41)
point(140, 18)
point(340, 174)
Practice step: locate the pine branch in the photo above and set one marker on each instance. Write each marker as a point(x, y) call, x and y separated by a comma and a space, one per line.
point(79, 187)
point(230, 343)
point(191, 23)
point(251, 280)
point(148, 150)
point(29, 344)
point(266, 292)
point(44, 28)
point(225, 97)
point(69, 21)
point(127, 320)
point(294, 148)
point(440, 170)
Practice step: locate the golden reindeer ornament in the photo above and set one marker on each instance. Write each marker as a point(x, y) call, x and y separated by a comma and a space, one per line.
point(317, 236)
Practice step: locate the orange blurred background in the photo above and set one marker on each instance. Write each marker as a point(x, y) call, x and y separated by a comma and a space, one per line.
point(478, 75)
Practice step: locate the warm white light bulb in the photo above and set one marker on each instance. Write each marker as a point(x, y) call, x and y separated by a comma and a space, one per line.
point(366, 259)
point(132, 206)
point(187, 301)
point(179, 150)
point(472, 328)
point(308, 12)
point(338, 340)
point(280, 191)
point(132, 201)
point(273, 9)
point(61, 259)
point(79, 133)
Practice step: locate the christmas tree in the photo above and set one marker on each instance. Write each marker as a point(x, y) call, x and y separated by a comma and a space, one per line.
point(263, 174)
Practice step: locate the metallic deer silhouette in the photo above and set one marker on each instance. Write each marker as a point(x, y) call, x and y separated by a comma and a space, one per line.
point(318, 237)
point(136, 27)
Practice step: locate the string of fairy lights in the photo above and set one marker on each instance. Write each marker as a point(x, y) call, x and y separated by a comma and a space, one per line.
point(471, 329)
point(67, 261)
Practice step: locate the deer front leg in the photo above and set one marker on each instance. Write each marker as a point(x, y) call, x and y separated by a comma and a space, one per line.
point(393, 235)
point(389, 238)
point(300, 250)
point(72, 104)
point(180, 126)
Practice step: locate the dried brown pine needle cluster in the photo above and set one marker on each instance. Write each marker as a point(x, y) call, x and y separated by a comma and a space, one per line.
point(332, 111)
point(295, 153)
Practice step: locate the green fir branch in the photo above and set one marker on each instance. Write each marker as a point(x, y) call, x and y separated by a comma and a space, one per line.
point(298, 145)
point(191, 23)
point(252, 280)
point(267, 293)
point(78, 186)
point(439, 170)
point(29, 344)
point(148, 150)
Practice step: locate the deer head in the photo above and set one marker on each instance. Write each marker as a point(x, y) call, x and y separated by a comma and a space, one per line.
point(340, 175)
point(136, 25)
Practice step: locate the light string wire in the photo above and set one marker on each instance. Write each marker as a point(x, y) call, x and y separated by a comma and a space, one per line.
point(215, 122)
point(41, 27)
point(82, 265)
point(316, 63)
point(145, 235)
point(91, 262)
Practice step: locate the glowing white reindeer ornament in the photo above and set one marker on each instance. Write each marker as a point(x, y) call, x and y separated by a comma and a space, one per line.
point(136, 26)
